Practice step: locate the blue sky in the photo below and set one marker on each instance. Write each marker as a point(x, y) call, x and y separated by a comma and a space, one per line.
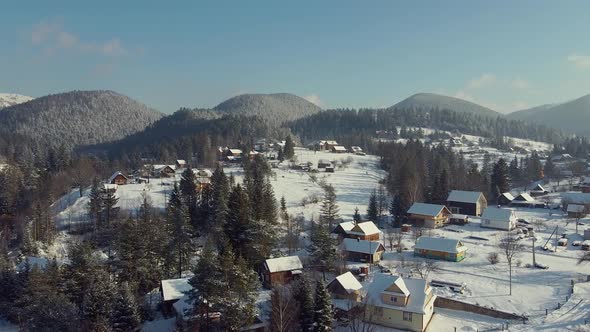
point(503, 54)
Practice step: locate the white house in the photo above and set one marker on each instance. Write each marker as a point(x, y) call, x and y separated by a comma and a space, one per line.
point(498, 218)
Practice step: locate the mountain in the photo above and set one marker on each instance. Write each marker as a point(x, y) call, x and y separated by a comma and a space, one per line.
point(276, 108)
point(425, 101)
point(572, 116)
point(11, 99)
point(76, 118)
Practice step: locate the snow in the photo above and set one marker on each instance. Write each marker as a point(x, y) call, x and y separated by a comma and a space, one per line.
point(10, 99)
point(281, 264)
point(361, 246)
point(366, 228)
point(426, 209)
point(349, 282)
point(161, 325)
point(575, 208)
point(440, 244)
point(174, 289)
point(7, 326)
point(464, 196)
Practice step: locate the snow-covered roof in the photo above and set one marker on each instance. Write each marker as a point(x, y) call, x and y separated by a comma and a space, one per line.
point(159, 168)
point(362, 246)
point(507, 196)
point(426, 209)
point(348, 282)
point(117, 173)
point(440, 244)
point(575, 208)
point(174, 289)
point(329, 142)
point(281, 264)
point(417, 289)
point(585, 180)
point(495, 213)
point(464, 196)
point(346, 226)
point(356, 148)
point(235, 151)
point(183, 306)
point(110, 186)
point(365, 228)
point(339, 148)
point(524, 197)
point(181, 162)
point(459, 216)
point(539, 187)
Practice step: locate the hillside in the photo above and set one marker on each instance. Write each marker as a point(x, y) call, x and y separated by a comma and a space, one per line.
point(426, 101)
point(276, 108)
point(76, 118)
point(572, 116)
point(11, 99)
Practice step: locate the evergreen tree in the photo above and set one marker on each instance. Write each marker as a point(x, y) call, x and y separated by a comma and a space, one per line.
point(221, 188)
point(323, 308)
point(289, 150)
point(97, 306)
point(280, 155)
point(514, 171)
point(500, 182)
point(178, 227)
point(207, 286)
point(396, 210)
point(372, 208)
point(549, 170)
point(95, 203)
point(304, 296)
point(329, 209)
point(322, 247)
point(125, 311)
point(356, 216)
point(188, 190)
point(109, 212)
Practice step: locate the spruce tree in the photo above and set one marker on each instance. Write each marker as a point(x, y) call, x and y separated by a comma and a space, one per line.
point(289, 150)
point(329, 209)
point(178, 227)
point(372, 208)
point(188, 190)
point(125, 311)
point(304, 296)
point(323, 308)
point(97, 306)
point(109, 201)
point(95, 203)
point(356, 216)
point(500, 181)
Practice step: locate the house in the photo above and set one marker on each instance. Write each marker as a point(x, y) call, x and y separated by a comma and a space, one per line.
point(362, 250)
point(202, 178)
point(467, 202)
point(281, 270)
point(440, 248)
point(327, 145)
point(339, 149)
point(405, 304)
point(323, 163)
point(429, 215)
point(173, 290)
point(459, 219)
point(365, 231)
point(498, 218)
point(525, 200)
point(342, 229)
point(164, 171)
point(357, 150)
point(562, 157)
point(118, 178)
point(180, 163)
point(585, 184)
point(505, 199)
point(538, 190)
point(345, 287)
point(109, 188)
point(576, 211)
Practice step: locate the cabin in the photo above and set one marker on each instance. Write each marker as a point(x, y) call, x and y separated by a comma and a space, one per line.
point(404, 304)
point(562, 157)
point(525, 200)
point(330, 169)
point(345, 287)
point(467, 202)
point(173, 290)
point(505, 199)
point(362, 250)
point(327, 145)
point(118, 178)
point(323, 163)
point(164, 171)
point(339, 149)
point(281, 270)
point(202, 178)
point(364, 231)
point(429, 215)
point(180, 164)
point(576, 211)
point(440, 248)
point(341, 231)
point(538, 190)
point(498, 218)
point(357, 150)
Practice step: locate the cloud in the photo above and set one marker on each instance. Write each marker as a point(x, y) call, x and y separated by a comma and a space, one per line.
point(52, 37)
point(579, 60)
point(519, 83)
point(315, 99)
point(482, 81)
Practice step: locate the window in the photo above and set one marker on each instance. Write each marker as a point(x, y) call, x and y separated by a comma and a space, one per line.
point(407, 316)
point(393, 299)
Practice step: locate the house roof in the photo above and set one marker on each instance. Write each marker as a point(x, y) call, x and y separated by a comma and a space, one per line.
point(440, 244)
point(539, 187)
point(346, 226)
point(339, 148)
point(524, 197)
point(426, 209)
point(203, 172)
point(464, 196)
point(364, 228)
point(110, 186)
point(174, 289)
point(160, 168)
point(348, 282)
point(117, 173)
point(508, 196)
point(235, 151)
point(417, 289)
point(576, 208)
point(495, 213)
point(585, 180)
point(362, 246)
point(329, 142)
point(281, 264)
point(181, 162)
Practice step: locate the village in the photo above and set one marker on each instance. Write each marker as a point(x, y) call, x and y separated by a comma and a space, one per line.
point(444, 262)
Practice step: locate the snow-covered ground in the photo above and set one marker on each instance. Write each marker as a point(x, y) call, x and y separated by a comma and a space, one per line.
point(10, 99)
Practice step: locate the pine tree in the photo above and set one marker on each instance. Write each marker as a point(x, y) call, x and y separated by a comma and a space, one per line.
point(188, 190)
point(500, 182)
point(549, 170)
point(395, 209)
point(95, 203)
point(206, 282)
point(356, 216)
point(109, 214)
point(372, 208)
point(178, 226)
point(329, 209)
point(304, 297)
point(289, 150)
point(322, 248)
point(125, 311)
point(221, 188)
point(97, 306)
point(323, 308)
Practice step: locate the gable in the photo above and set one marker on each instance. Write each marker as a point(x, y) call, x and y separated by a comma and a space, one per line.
point(462, 196)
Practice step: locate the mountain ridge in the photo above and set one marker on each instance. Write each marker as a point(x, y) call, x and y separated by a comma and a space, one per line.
point(426, 100)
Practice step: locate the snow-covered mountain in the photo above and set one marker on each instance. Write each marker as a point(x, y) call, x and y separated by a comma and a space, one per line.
point(10, 99)
point(426, 101)
point(572, 116)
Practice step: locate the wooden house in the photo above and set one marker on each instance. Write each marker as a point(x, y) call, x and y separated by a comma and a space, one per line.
point(180, 164)
point(339, 149)
point(118, 178)
point(440, 248)
point(345, 287)
point(364, 231)
point(342, 229)
point(403, 304)
point(164, 171)
point(323, 163)
point(467, 202)
point(326, 145)
point(362, 250)
point(505, 199)
point(538, 190)
point(173, 290)
point(281, 270)
point(498, 218)
point(576, 211)
point(525, 200)
point(429, 215)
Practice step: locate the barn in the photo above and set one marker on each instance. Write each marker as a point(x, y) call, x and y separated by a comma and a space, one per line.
point(429, 215)
point(467, 202)
point(440, 248)
point(362, 250)
point(281, 270)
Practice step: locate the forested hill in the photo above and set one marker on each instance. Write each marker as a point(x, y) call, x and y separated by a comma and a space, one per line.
point(340, 123)
point(430, 101)
point(75, 118)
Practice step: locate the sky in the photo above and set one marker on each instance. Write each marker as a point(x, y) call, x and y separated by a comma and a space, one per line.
point(506, 55)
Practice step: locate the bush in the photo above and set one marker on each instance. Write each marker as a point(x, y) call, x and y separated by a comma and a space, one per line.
point(493, 258)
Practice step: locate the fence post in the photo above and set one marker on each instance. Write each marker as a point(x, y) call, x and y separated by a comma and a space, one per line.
point(546, 312)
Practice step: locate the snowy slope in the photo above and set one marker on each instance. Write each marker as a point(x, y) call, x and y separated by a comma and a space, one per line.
point(10, 99)
point(427, 101)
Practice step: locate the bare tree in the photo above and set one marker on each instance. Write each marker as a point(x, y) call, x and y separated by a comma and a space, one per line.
point(359, 317)
point(511, 247)
point(82, 173)
point(394, 237)
point(284, 311)
point(416, 233)
point(424, 267)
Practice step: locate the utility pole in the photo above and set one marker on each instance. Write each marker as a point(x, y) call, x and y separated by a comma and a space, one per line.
point(534, 261)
